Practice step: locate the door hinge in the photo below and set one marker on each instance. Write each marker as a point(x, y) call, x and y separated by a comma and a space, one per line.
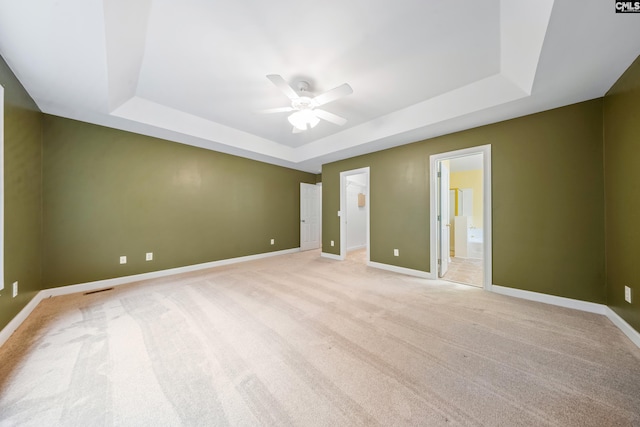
point(439, 261)
point(438, 217)
point(439, 174)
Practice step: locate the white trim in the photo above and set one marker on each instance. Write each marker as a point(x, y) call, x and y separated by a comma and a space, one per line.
point(11, 327)
point(2, 190)
point(330, 256)
point(626, 328)
point(100, 284)
point(15, 323)
point(485, 150)
point(575, 304)
point(401, 270)
point(355, 248)
point(343, 209)
point(590, 307)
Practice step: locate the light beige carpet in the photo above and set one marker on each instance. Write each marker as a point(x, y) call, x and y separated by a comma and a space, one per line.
point(301, 340)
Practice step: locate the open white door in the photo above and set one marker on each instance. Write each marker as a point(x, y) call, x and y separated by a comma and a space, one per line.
point(443, 220)
point(310, 197)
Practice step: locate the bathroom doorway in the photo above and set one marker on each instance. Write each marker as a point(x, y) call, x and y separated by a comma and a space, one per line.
point(461, 216)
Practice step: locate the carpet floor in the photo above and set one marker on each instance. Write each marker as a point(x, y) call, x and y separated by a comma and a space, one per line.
point(302, 340)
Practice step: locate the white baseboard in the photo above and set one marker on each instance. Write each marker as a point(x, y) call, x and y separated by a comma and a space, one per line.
point(101, 284)
point(626, 328)
point(590, 307)
point(355, 248)
point(401, 270)
point(330, 256)
point(15, 323)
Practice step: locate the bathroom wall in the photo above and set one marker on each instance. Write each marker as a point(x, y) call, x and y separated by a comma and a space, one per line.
point(470, 179)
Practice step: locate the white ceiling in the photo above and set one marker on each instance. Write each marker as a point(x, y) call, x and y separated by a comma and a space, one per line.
point(194, 71)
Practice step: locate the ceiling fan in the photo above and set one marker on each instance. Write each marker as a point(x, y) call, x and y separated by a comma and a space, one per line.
point(306, 113)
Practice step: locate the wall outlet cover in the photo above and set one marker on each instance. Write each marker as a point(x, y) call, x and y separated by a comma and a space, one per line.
point(15, 289)
point(396, 252)
point(273, 241)
point(149, 256)
point(627, 294)
point(332, 243)
point(123, 260)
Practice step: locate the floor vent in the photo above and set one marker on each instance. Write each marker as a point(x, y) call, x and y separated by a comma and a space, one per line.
point(99, 290)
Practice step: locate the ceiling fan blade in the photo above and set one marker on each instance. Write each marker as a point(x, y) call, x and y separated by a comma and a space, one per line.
point(333, 94)
point(276, 110)
point(330, 117)
point(283, 86)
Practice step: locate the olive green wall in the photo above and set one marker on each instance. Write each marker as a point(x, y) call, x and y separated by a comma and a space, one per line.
point(622, 193)
point(548, 192)
point(109, 193)
point(22, 196)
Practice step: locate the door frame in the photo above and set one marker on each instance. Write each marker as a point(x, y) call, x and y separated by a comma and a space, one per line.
point(443, 254)
point(342, 213)
point(485, 150)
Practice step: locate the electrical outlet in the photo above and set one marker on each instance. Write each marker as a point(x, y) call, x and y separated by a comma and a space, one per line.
point(332, 243)
point(123, 260)
point(396, 252)
point(149, 256)
point(627, 294)
point(273, 241)
point(15, 289)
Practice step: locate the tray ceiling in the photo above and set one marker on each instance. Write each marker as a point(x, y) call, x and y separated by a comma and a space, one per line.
point(195, 71)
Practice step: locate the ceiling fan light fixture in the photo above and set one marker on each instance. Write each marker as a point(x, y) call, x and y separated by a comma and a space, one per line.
point(303, 119)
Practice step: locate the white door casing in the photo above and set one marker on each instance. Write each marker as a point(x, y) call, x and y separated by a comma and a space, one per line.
point(443, 220)
point(1, 187)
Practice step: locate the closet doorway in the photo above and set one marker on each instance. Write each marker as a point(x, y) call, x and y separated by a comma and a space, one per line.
point(355, 213)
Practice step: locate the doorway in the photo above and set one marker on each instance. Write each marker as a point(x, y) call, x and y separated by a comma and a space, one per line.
point(355, 213)
point(461, 216)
